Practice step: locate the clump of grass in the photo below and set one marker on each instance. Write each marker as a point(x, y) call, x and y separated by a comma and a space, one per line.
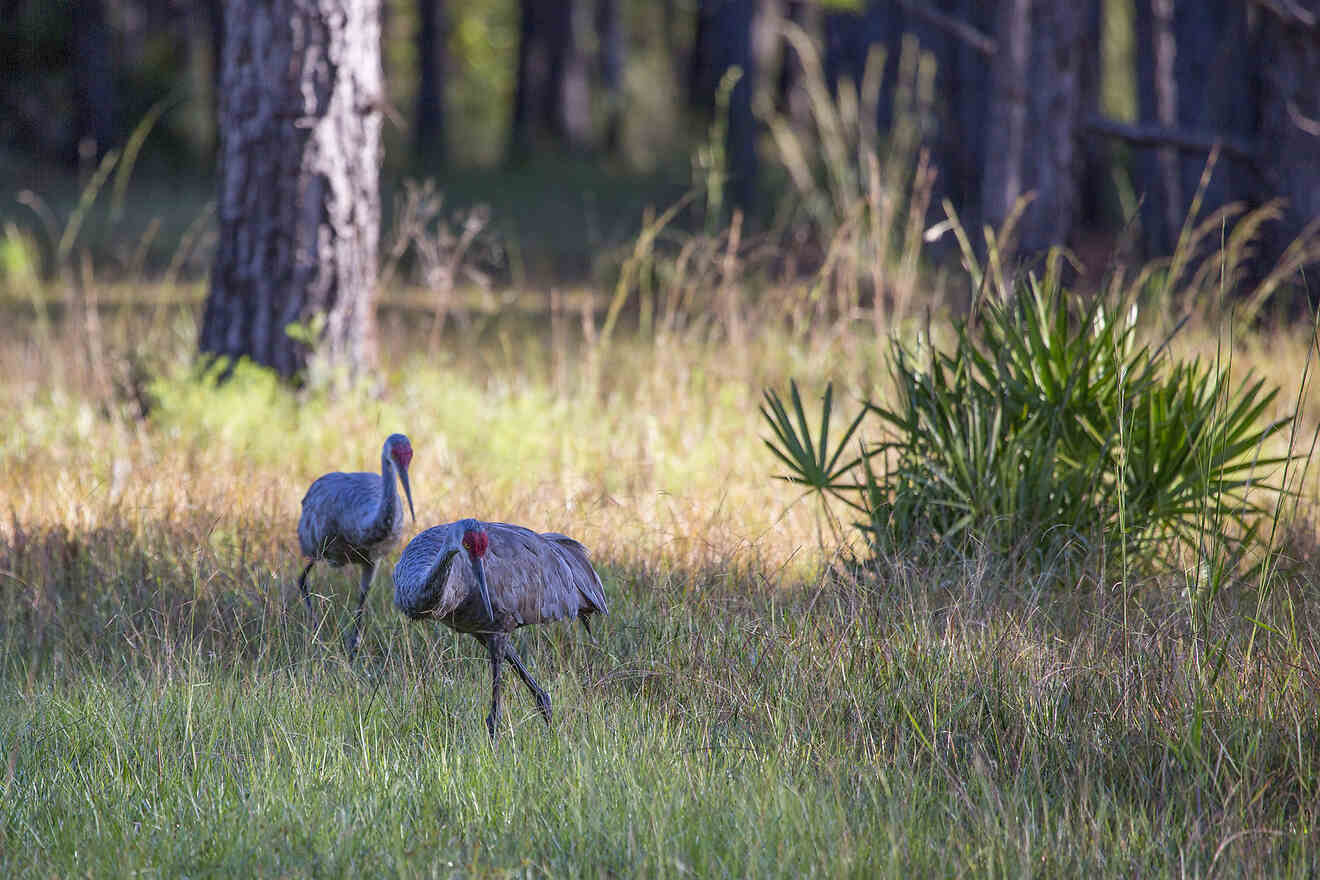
point(1042, 431)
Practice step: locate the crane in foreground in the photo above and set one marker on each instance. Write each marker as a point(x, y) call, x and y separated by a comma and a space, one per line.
point(511, 577)
point(356, 518)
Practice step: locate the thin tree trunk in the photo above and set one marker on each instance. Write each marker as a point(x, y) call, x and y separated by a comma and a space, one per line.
point(93, 79)
point(1289, 69)
point(609, 29)
point(569, 107)
point(529, 74)
point(969, 93)
point(1213, 80)
point(1053, 154)
point(432, 55)
point(1157, 100)
point(1006, 143)
point(298, 202)
point(731, 42)
point(1037, 113)
point(552, 95)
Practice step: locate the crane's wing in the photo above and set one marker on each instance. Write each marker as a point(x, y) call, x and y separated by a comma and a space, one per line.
point(585, 576)
point(538, 577)
point(336, 507)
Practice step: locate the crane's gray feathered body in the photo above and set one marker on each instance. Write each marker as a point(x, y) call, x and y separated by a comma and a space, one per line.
point(351, 518)
point(355, 518)
point(531, 578)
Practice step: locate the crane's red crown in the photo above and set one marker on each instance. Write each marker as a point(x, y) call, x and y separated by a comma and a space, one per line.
point(475, 543)
point(402, 452)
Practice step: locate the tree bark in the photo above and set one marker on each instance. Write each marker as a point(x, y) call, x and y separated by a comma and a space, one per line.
point(298, 201)
point(1006, 141)
point(1037, 113)
point(93, 79)
point(968, 91)
point(1289, 65)
point(552, 93)
point(732, 28)
point(724, 41)
point(432, 57)
point(1212, 75)
point(1159, 176)
point(568, 110)
point(1054, 157)
point(609, 30)
point(528, 79)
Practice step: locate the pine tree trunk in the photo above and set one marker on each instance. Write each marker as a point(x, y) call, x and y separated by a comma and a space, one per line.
point(1053, 156)
point(298, 202)
point(1036, 107)
point(528, 77)
point(1159, 179)
point(724, 41)
point(1289, 65)
point(568, 111)
point(968, 93)
point(432, 53)
point(1212, 75)
point(609, 30)
point(93, 80)
point(552, 94)
point(1006, 141)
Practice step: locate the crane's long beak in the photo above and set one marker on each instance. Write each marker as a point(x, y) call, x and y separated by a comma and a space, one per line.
point(480, 571)
point(407, 490)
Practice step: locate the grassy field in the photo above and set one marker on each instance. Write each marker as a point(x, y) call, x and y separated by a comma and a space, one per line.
point(166, 707)
point(750, 707)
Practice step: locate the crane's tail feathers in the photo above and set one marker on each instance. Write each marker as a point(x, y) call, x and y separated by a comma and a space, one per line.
point(584, 574)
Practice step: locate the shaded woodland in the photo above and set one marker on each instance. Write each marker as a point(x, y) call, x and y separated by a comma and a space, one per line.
point(1023, 94)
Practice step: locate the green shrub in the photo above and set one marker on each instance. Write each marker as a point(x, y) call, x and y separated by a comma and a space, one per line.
point(1048, 430)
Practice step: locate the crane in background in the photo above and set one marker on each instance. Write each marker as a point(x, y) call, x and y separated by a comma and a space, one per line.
point(356, 518)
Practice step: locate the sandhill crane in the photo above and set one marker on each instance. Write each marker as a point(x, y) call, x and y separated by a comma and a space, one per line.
point(533, 578)
point(355, 518)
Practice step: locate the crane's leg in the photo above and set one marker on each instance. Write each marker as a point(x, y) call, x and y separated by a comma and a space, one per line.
point(302, 585)
point(368, 572)
point(495, 644)
point(538, 692)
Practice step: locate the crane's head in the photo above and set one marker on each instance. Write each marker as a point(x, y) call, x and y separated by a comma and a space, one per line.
point(475, 544)
point(399, 451)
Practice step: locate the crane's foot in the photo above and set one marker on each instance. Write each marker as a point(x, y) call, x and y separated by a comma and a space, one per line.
point(493, 724)
point(543, 703)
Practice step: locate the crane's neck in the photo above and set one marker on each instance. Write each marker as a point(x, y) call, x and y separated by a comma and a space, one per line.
point(389, 494)
point(420, 593)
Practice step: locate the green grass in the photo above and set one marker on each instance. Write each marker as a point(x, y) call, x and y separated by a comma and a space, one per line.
point(748, 708)
point(166, 709)
point(709, 731)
